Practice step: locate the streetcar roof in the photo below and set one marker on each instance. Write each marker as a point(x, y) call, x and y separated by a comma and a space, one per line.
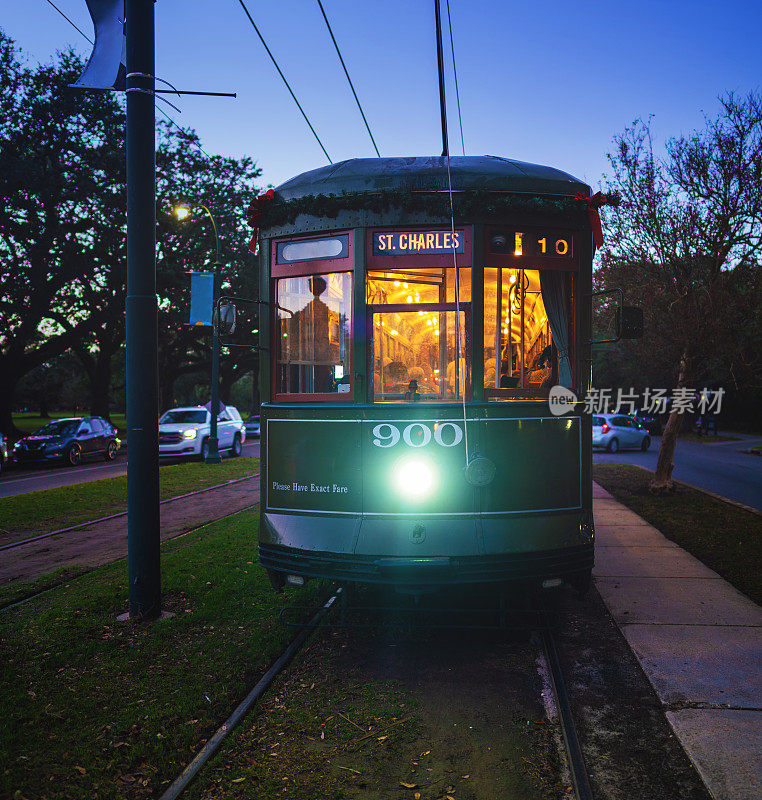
point(429, 173)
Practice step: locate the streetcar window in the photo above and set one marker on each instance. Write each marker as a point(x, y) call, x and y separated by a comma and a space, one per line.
point(522, 355)
point(313, 335)
point(417, 286)
point(414, 353)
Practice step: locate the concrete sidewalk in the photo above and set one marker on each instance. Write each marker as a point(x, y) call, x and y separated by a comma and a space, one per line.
point(698, 640)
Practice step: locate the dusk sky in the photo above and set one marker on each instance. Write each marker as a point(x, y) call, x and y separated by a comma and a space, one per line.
point(546, 82)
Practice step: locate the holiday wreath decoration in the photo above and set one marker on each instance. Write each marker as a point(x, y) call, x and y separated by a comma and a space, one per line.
point(269, 211)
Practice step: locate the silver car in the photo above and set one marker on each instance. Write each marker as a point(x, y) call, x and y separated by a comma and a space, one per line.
point(619, 432)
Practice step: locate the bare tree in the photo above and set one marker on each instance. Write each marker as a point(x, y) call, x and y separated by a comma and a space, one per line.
point(686, 237)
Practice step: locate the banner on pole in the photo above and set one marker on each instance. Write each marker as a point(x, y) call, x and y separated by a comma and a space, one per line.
point(202, 298)
point(106, 68)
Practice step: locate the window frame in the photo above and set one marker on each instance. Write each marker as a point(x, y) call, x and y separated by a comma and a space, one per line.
point(315, 268)
point(300, 269)
point(536, 393)
point(392, 308)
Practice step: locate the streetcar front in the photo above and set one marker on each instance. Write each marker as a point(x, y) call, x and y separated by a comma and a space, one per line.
point(409, 436)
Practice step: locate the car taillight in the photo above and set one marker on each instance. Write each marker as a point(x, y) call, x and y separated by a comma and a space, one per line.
point(605, 427)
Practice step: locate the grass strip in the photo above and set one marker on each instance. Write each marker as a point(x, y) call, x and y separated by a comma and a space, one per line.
point(32, 513)
point(724, 537)
point(91, 707)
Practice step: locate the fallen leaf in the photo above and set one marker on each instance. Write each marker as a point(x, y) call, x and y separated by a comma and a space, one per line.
point(381, 738)
point(426, 753)
point(81, 770)
point(465, 776)
point(409, 785)
point(417, 796)
point(238, 780)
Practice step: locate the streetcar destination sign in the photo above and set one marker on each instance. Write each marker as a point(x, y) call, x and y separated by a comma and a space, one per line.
point(417, 243)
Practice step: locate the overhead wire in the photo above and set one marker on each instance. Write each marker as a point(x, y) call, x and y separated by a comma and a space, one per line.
point(71, 22)
point(280, 72)
point(455, 73)
point(349, 80)
point(161, 111)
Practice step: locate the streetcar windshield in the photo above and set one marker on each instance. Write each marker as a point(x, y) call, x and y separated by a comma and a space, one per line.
point(419, 344)
point(313, 334)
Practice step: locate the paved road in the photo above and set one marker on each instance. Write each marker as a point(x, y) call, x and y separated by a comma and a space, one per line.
point(720, 468)
point(15, 481)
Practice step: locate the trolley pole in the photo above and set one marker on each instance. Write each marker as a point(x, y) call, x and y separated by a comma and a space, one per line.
point(143, 528)
point(440, 65)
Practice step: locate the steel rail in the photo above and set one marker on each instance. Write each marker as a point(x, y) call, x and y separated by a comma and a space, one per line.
point(187, 775)
point(92, 522)
point(577, 767)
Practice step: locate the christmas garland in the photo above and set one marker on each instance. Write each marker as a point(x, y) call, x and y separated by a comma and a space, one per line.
point(269, 211)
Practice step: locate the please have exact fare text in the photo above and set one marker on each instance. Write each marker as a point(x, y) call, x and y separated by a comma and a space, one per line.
point(311, 488)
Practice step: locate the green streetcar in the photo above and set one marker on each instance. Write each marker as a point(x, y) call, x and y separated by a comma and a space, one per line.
point(406, 369)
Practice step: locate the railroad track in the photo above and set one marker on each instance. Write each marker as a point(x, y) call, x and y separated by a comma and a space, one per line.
point(77, 576)
point(91, 522)
point(543, 628)
point(575, 759)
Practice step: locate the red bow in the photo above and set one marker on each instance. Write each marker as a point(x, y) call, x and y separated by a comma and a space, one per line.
point(593, 204)
point(254, 213)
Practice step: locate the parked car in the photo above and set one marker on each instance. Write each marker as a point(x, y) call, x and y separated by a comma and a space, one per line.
point(252, 426)
point(650, 422)
point(70, 440)
point(618, 431)
point(185, 431)
point(3, 452)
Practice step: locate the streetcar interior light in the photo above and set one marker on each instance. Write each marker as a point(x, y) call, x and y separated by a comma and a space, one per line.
point(414, 477)
point(182, 212)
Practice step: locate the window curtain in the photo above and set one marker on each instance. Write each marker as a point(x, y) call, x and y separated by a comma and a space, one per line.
point(555, 297)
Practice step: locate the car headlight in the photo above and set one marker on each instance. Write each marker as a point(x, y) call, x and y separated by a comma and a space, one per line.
point(17, 446)
point(191, 434)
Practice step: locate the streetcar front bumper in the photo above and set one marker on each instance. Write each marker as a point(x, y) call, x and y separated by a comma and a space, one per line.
point(529, 567)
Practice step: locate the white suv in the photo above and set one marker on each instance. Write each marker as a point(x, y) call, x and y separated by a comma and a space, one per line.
point(185, 431)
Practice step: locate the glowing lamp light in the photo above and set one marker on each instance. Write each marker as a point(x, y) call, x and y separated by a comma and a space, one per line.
point(396, 283)
point(182, 212)
point(513, 279)
point(414, 477)
point(409, 299)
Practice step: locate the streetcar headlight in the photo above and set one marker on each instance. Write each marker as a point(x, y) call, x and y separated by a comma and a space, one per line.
point(190, 434)
point(414, 476)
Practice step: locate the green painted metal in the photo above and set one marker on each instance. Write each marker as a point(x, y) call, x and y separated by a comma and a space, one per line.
point(143, 529)
point(429, 173)
point(330, 503)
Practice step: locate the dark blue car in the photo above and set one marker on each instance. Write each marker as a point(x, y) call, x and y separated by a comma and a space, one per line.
point(69, 440)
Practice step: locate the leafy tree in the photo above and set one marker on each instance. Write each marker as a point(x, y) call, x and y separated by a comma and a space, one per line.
point(54, 149)
point(686, 241)
point(224, 186)
point(63, 236)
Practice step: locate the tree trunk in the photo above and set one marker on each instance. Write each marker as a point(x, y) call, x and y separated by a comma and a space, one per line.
point(7, 390)
point(662, 482)
point(100, 385)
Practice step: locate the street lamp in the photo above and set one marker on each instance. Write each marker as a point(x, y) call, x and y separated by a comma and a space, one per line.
point(182, 212)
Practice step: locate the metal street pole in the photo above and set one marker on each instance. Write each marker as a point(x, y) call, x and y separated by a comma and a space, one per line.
point(143, 529)
point(213, 457)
